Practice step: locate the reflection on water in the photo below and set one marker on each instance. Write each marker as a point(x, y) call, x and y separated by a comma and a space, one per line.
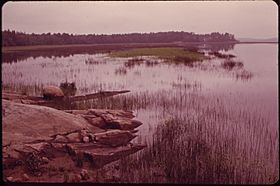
point(212, 122)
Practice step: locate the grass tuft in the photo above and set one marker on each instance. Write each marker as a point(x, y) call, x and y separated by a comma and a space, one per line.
point(173, 54)
point(230, 64)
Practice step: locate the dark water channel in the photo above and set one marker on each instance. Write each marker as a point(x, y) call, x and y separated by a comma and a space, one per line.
point(202, 123)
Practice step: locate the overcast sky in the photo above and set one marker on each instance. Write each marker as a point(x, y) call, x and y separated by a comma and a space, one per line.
point(244, 19)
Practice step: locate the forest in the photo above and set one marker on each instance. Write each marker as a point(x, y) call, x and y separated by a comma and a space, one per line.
point(15, 38)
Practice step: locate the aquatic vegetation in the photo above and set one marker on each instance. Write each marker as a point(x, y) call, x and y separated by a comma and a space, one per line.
point(134, 61)
point(180, 59)
point(91, 61)
point(207, 146)
point(220, 55)
point(25, 89)
point(170, 53)
point(204, 124)
point(151, 63)
point(244, 75)
point(230, 64)
point(199, 139)
point(121, 71)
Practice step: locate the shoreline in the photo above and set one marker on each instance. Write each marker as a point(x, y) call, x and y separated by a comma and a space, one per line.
point(9, 49)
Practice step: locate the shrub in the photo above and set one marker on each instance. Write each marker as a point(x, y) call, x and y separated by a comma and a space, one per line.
point(69, 89)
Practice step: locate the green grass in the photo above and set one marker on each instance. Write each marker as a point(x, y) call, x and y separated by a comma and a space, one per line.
point(170, 53)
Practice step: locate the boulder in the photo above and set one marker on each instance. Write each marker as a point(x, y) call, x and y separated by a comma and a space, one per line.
point(60, 139)
point(28, 123)
point(51, 92)
point(114, 137)
point(74, 137)
point(86, 139)
point(109, 119)
point(37, 146)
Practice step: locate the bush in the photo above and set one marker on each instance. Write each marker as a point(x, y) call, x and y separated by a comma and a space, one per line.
point(69, 89)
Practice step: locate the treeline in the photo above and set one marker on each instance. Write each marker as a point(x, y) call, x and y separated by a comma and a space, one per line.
point(13, 38)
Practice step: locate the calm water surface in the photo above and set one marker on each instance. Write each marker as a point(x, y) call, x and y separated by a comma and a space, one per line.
point(234, 115)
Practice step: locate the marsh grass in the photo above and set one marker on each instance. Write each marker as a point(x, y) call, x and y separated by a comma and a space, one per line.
point(121, 71)
point(133, 62)
point(173, 54)
point(199, 139)
point(91, 61)
point(213, 144)
point(24, 89)
point(28, 77)
point(243, 75)
point(192, 135)
point(230, 64)
point(151, 63)
point(220, 55)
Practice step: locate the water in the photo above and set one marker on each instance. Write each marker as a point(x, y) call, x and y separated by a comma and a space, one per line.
point(201, 123)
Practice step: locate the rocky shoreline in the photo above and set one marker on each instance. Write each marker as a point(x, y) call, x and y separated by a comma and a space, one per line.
point(43, 144)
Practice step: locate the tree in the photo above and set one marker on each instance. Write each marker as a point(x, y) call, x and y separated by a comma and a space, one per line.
point(13, 38)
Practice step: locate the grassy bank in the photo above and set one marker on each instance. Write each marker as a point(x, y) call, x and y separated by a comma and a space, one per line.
point(170, 53)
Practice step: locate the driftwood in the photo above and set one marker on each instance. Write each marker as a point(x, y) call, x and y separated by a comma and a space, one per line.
point(70, 139)
point(102, 94)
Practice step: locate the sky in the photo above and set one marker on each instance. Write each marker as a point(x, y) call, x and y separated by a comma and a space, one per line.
point(253, 19)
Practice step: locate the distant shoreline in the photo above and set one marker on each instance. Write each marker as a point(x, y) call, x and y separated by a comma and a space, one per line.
point(9, 49)
point(257, 42)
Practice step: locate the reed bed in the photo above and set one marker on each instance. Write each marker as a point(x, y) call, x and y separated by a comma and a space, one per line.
point(207, 143)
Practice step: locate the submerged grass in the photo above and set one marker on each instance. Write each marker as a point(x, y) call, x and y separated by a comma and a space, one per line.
point(173, 54)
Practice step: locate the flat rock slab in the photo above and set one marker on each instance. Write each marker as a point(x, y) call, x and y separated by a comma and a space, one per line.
point(108, 119)
point(100, 155)
point(114, 137)
point(24, 123)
